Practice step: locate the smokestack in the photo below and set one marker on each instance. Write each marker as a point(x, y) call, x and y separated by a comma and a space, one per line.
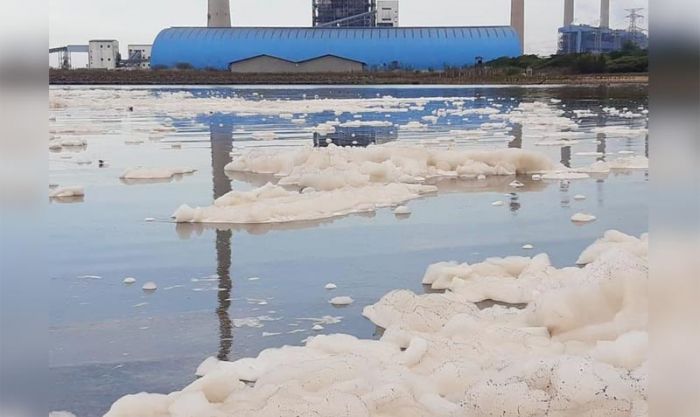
point(568, 12)
point(219, 14)
point(605, 13)
point(517, 20)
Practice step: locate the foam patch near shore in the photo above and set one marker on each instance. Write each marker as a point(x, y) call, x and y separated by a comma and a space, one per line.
point(579, 347)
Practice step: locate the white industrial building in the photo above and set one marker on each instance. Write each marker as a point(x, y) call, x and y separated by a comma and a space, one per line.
point(140, 56)
point(387, 13)
point(103, 54)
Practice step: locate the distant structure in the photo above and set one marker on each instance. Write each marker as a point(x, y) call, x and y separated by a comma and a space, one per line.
point(219, 14)
point(65, 54)
point(517, 19)
point(278, 49)
point(103, 54)
point(575, 39)
point(355, 13)
point(387, 13)
point(347, 36)
point(139, 57)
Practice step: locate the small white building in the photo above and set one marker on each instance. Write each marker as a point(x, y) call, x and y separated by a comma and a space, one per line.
point(387, 13)
point(103, 54)
point(140, 56)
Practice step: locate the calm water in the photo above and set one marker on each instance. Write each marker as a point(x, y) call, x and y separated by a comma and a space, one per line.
point(109, 339)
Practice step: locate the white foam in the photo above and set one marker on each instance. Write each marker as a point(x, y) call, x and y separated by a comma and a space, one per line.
point(129, 280)
point(582, 218)
point(578, 348)
point(143, 173)
point(274, 204)
point(150, 286)
point(67, 192)
point(402, 210)
point(341, 301)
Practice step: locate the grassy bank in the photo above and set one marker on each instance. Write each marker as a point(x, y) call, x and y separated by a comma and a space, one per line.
point(194, 77)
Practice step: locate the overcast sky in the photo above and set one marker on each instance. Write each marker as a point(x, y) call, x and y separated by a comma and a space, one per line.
point(139, 21)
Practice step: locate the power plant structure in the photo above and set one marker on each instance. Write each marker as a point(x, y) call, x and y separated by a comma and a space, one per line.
point(346, 36)
point(355, 13)
point(578, 38)
point(219, 14)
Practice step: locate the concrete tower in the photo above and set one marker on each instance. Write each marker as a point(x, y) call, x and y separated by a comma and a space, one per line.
point(219, 14)
point(568, 12)
point(517, 20)
point(605, 13)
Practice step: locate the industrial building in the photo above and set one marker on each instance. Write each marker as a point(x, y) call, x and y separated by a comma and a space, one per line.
point(579, 38)
point(139, 56)
point(329, 46)
point(355, 13)
point(103, 54)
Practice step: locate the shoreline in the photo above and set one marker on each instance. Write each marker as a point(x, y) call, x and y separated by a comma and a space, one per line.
point(189, 77)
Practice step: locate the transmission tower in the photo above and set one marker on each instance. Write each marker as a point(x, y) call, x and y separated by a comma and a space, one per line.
point(634, 16)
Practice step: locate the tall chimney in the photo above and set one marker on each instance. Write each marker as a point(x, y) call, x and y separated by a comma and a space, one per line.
point(219, 14)
point(568, 12)
point(517, 20)
point(605, 13)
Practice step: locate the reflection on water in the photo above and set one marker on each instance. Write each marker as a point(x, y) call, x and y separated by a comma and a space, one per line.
point(68, 200)
point(600, 148)
point(517, 133)
point(566, 156)
point(221, 145)
point(357, 136)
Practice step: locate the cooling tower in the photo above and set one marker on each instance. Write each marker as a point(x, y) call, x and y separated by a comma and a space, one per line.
point(517, 19)
point(568, 12)
point(605, 13)
point(219, 14)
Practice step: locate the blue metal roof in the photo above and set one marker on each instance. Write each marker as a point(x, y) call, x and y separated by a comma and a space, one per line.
point(411, 47)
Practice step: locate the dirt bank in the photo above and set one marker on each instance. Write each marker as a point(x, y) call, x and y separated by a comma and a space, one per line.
point(191, 77)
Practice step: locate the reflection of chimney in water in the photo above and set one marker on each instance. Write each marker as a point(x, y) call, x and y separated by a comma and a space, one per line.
point(600, 137)
point(221, 137)
point(566, 156)
point(518, 134)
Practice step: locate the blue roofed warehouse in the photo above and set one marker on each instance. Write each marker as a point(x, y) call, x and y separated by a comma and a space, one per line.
point(321, 49)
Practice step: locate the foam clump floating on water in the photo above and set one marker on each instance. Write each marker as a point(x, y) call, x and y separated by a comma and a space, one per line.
point(341, 301)
point(334, 167)
point(330, 286)
point(61, 414)
point(67, 192)
point(579, 347)
point(142, 173)
point(402, 210)
point(582, 218)
point(150, 286)
point(622, 164)
point(349, 180)
point(274, 204)
point(129, 280)
point(615, 239)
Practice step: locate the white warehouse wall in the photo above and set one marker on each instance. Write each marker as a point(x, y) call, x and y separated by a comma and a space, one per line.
point(103, 54)
point(387, 13)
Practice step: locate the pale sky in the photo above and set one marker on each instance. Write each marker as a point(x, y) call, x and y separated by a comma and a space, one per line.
point(139, 21)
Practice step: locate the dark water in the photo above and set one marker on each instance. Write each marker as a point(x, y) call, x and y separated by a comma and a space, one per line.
point(109, 339)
